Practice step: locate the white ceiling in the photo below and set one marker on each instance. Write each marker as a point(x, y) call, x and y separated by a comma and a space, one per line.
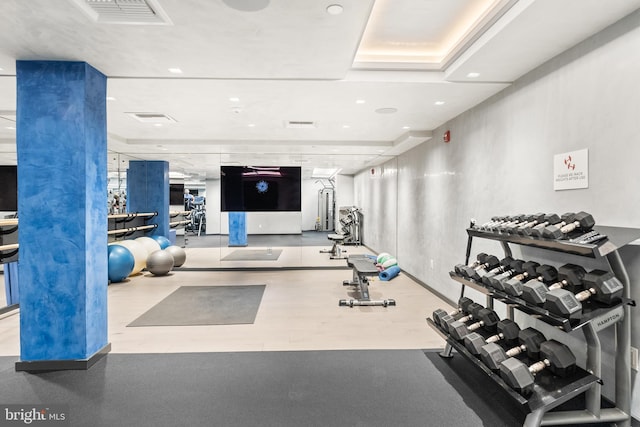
point(292, 61)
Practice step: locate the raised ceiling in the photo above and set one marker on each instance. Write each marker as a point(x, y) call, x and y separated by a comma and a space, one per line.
point(361, 86)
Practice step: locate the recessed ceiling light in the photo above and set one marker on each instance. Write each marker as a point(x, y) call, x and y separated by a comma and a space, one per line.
point(1, 69)
point(10, 128)
point(157, 125)
point(360, 101)
point(387, 110)
point(346, 126)
point(473, 75)
point(110, 98)
point(406, 127)
point(251, 125)
point(334, 9)
point(175, 70)
point(439, 102)
point(234, 99)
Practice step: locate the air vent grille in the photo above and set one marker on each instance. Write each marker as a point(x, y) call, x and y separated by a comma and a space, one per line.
point(300, 125)
point(124, 11)
point(152, 117)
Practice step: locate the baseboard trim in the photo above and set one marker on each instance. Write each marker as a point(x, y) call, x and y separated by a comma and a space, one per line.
point(62, 365)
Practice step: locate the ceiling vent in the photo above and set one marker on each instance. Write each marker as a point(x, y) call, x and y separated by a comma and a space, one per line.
point(300, 125)
point(152, 118)
point(145, 12)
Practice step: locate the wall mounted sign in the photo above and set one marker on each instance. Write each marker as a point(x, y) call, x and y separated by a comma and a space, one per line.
point(571, 170)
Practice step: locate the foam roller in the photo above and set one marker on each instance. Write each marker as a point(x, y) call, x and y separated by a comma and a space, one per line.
point(389, 273)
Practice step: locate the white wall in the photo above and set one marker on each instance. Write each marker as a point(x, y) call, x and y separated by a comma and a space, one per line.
point(344, 196)
point(375, 192)
point(212, 206)
point(499, 161)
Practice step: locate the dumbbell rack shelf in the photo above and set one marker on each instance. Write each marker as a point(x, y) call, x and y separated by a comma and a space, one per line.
point(617, 237)
point(595, 318)
point(549, 391)
point(592, 310)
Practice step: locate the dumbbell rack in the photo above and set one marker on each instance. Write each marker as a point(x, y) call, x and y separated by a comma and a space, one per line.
point(596, 317)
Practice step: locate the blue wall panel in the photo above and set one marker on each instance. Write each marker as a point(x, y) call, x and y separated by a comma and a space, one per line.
point(62, 181)
point(148, 191)
point(237, 229)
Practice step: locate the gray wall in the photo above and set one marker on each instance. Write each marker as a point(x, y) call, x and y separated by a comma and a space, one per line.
point(500, 158)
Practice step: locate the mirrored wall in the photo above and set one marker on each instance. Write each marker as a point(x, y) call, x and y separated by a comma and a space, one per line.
point(274, 239)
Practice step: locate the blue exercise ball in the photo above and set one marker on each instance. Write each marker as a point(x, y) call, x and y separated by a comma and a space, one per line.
point(162, 241)
point(120, 264)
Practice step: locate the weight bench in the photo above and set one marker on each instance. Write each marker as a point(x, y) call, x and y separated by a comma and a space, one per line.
point(336, 250)
point(363, 267)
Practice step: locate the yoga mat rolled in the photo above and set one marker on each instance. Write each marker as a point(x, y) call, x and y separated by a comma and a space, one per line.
point(389, 273)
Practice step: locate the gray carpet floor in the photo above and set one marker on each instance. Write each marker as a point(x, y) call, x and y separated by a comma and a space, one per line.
point(205, 305)
point(253, 255)
point(315, 388)
point(285, 389)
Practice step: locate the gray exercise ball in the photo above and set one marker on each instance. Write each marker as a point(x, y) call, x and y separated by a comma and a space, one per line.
point(159, 263)
point(179, 255)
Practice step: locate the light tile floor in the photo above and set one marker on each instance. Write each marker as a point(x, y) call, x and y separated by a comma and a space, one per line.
point(299, 310)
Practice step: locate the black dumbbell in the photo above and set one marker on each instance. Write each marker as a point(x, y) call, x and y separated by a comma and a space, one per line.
point(472, 314)
point(505, 265)
point(569, 277)
point(535, 219)
point(508, 330)
point(506, 227)
point(536, 273)
point(501, 220)
point(480, 258)
point(487, 319)
point(582, 220)
point(565, 218)
point(478, 272)
point(530, 221)
point(515, 267)
point(494, 220)
point(600, 285)
point(513, 286)
point(463, 304)
point(556, 357)
point(548, 220)
point(530, 339)
point(514, 219)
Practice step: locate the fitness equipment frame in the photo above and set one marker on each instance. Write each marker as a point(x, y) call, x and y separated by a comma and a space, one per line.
point(593, 320)
point(363, 267)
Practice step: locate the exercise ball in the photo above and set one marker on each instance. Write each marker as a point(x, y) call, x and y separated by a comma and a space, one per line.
point(139, 254)
point(149, 244)
point(120, 264)
point(159, 263)
point(179, 255)
point(162, 241)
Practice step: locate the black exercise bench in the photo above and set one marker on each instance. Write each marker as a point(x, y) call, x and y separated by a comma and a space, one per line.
point(363, 267)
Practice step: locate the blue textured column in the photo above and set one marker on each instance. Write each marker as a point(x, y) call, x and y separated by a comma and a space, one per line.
point(237, 229)
point(11, 283)
point(62, 185)
point(148, 191)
